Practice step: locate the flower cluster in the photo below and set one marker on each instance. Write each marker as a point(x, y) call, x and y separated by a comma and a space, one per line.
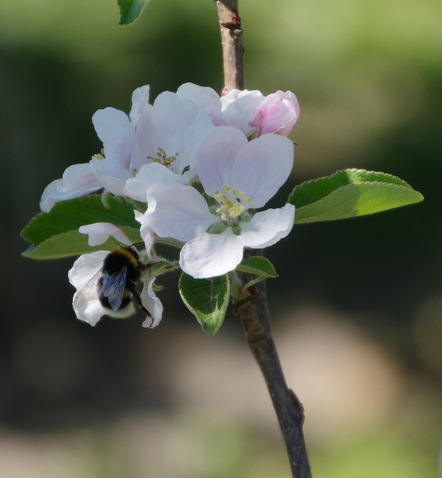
point(196, 166)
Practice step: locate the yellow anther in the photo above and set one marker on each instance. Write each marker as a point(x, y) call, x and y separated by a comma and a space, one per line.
point(244, 198)
point(235, 209)
point(232, 204)
point(162, 158)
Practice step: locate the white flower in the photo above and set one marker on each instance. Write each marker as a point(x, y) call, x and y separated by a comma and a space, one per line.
point(155, 143)
point(87, 271)
point(164, 143)
point(239, 175)
point(85, 275)
point(116, 131)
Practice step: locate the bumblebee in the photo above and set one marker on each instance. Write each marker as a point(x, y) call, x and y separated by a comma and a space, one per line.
point(122, 270)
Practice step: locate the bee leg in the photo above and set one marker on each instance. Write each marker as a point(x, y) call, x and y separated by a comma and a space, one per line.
point(136, 298)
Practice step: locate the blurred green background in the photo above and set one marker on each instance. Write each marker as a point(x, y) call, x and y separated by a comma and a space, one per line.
point(358, 306)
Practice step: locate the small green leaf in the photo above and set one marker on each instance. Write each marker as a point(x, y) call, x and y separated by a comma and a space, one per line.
point(350, 193)
point(129, 10)
point(72, 243)
point(207, 300)
point(257, 265)
point(69, 215)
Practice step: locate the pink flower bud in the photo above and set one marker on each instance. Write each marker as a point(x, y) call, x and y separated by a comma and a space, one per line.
point(278, 114)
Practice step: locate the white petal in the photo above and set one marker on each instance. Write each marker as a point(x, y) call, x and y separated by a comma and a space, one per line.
point(85, 267)
point(211, 255)
point(140, 103)
point(178, 127)
point(149, 175)
point(110, 174)
point(262, 167)
point(216, 155)
point(201, 125)
point(78, 180)
point(99, 232)
point(240, 106)
point(205, 98)
point(87, 306)
point(152, 304)
point(177, 211)
point(79, 176)
point(56, 192)
point(146, 233)
point(115, 131)
point(84, 276)
point(173, 127)
point(52, 194)
point(267, 227)
point(171, 113)
point(142, 146)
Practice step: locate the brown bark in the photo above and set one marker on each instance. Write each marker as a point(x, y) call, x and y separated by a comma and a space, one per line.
point(254, 312)
point(231, 39)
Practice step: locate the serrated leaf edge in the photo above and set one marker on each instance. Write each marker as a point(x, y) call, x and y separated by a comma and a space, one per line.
point(252, 270)
point(325, 178)
point(191, 309)
point(408, 188)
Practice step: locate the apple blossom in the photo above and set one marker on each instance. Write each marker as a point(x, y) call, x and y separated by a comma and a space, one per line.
point(164, 143)
point(240, 176)
point(250, 111)
point(86, 276)
point(255, 113)
point(116, 131)
point(278, 114)
point(156, 144)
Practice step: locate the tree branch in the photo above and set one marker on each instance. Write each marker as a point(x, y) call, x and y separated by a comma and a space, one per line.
point(254, 313)
point(231, 39)
point(289, 410)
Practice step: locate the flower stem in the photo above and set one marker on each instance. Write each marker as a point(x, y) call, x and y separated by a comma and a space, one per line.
point(289, 410)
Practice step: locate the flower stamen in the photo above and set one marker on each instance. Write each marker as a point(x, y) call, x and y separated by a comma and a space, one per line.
point(231, 204)
point(162, 158)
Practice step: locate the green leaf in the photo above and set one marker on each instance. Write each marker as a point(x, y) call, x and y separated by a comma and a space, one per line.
point(69, 215)
point(129, 10)
point(257, 265)
point(350, 193)
point(313, 190)
point(207, 300)
point(72, 243)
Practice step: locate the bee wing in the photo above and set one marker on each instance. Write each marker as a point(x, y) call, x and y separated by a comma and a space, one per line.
point(113, 287)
